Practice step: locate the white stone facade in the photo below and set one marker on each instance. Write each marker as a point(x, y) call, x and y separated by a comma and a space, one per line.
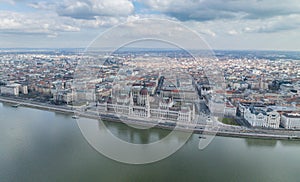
point(144, 107)
point(260, 118)
point(290, 120)
point(12, 89)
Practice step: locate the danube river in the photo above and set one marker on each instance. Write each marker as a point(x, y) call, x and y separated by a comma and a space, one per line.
point(38, 145)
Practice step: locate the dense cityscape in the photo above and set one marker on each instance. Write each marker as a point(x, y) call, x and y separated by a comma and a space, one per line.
point(149, 90)
point(260, 91)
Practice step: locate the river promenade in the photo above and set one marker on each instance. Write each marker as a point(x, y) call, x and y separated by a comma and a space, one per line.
point(219, 129)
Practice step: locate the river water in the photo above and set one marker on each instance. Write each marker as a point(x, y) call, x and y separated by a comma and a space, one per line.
point(38, 145)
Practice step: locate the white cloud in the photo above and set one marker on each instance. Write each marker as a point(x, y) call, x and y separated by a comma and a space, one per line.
point(204, 10)
point(12, 22)
point(203, 29)
point(51, 24)
point(143, 30)
point(234, 16)
point(88, 9)
point(232, 32)
point(8, 1)
point(231, 17)
point(219, 21)
point(275, 24)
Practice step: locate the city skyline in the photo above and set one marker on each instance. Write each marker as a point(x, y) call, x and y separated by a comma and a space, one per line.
point(232, 25)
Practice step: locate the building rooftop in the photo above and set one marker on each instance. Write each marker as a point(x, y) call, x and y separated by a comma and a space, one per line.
point(292, 115)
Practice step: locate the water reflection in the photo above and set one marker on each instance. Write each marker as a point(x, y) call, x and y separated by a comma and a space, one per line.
point(251, 142)
point(64, 115)
point(140, 136)
point(290, 142)
point(54, 146)
point(4, 104)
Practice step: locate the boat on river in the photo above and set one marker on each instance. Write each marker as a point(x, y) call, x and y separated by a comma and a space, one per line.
point(75, 117)
point(16, 105)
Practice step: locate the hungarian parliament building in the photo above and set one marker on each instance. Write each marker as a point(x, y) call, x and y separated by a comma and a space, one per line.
point(138, 103)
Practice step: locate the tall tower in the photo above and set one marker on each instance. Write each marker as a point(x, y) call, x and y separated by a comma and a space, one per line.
point(193, 112)
point(144, 100)
point(148, 106)
point(130, 104)
point(262, 82)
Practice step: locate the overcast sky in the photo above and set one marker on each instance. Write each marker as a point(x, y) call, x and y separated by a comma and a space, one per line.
point(224, 24)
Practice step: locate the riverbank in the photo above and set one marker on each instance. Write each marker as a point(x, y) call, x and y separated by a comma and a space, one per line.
point(32, 140)
point(32, 104)
point(220, 130)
